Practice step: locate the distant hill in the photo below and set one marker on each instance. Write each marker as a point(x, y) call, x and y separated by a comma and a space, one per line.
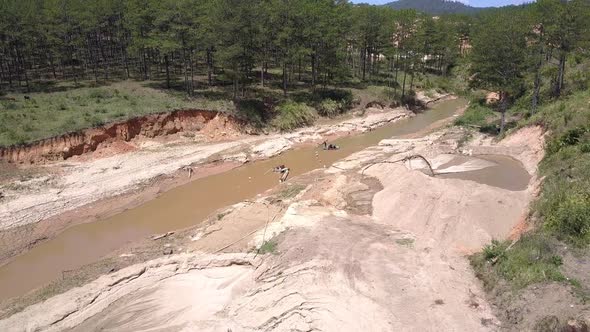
point(435, 7)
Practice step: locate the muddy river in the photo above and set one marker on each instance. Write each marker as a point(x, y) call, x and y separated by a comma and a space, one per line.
point(188, 205)
point(503, 172)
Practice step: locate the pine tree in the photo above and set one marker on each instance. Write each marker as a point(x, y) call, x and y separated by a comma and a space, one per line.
point(498, 58)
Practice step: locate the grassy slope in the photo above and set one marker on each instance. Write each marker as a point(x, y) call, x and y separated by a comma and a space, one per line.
point(65, 108)
point(562, 212)
point(54, 113)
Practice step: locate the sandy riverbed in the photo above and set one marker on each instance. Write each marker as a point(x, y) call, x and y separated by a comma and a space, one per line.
point(377, 250)
point(37, 208)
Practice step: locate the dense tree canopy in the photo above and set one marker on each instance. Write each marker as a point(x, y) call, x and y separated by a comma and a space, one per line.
point(244, 42)
point(313, 41)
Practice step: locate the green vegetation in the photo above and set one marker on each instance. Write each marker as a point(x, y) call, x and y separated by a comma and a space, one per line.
point(48, 114)
point(565, 202)
point(290, 191)
point(332, 102)
point(60, 57)
point(222, 215)
point(562, 212)
point(541, 77)
point(291, 115)
point(381, 94)
point(268, 247)
point(529, 261)
point(477, 115)
point(498, 57)
point(405, 242)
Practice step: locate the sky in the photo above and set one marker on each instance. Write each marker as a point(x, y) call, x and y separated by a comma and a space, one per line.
point(474, 3)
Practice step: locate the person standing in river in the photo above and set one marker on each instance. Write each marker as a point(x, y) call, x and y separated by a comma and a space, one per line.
point(330, 146)
point(284, 172)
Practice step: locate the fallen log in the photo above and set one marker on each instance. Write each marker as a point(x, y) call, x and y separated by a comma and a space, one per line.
point(407, 158)
point(161, 236)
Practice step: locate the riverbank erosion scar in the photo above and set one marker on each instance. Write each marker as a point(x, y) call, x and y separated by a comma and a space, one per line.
point(77, 143)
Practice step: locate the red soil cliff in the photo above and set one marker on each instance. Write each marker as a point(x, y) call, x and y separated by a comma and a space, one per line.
point(87, 140)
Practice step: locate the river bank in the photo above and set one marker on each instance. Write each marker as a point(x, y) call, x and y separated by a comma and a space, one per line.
point(118, 183)
point(390, 237)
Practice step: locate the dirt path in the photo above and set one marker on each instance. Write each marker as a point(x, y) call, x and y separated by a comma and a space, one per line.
point(378, 250)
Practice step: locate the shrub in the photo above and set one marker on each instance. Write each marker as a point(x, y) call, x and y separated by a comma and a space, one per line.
point(570, 216)
point(100, 94)
point(11, 106)
point(253, 111)
point(532, 259)
point(570, 137)
point(383, 94)
point(329, 108)
point(291, 115)
point(494, 250)
point(344, 97)
point(475, 115)
point(268, 247)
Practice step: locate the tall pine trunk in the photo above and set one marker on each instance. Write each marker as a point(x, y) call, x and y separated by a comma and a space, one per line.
point(103, 56)
point(167, 62)
point(404, 80)
point(185, 71)
point(299, 69)
point(209, 66)
point(536, 91)
point(9, 68)
point(24, 67)
point(262, 73)
point(560, 74)
point(52, 64)
point(537, 82)
point(285, 78)
point(396, 69)
point(1, 71)
point(145, 64)
point(313, 69)
point(503, 108)
point(192, 68)
point(364, 60)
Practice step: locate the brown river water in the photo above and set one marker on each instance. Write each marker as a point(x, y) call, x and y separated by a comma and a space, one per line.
point(505, 172)
point(189, 205)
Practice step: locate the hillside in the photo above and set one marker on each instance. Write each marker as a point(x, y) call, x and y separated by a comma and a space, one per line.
point(436, 7)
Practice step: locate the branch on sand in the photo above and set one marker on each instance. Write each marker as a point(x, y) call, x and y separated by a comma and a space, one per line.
point(404, 159)
point(495, 259)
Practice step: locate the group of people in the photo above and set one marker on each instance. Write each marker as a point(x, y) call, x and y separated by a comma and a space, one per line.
point(330, 146)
